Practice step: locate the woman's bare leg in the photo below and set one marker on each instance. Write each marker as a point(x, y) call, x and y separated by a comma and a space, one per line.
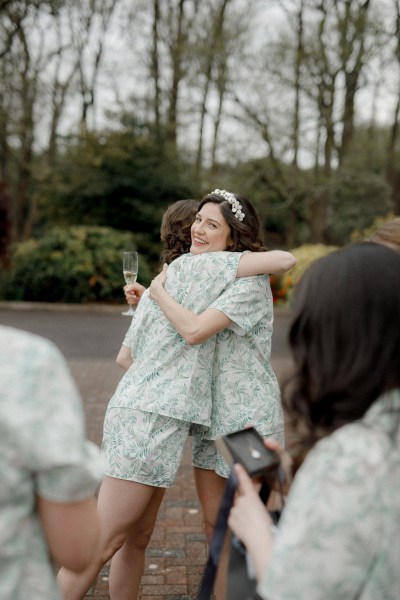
point(127, 564)
point(121, 505)
point(210, 488)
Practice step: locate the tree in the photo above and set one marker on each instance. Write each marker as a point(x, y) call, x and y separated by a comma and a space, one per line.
point(215, 48)
point(392, 169)
point(46, 49)
point(117, 179)
point(321, 69)
point(222, 83)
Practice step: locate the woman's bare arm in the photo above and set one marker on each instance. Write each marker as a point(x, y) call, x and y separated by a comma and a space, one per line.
point(195, 329)
point(273, 262)
point(71, 531)
point(124, 358)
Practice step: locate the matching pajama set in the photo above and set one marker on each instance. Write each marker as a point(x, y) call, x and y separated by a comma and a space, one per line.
point(166, 393)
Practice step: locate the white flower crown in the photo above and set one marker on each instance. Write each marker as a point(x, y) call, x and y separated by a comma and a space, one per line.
point(236, 206)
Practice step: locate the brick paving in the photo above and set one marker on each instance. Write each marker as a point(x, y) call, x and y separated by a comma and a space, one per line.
point(177, 551)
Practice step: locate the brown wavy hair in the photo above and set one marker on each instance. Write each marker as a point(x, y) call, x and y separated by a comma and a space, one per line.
point(388, 234)
point(245, 234)
point(175, 229)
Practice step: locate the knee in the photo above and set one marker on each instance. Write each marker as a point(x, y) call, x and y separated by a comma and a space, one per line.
point(136, 541)
point(141, 538)
point(112, 546)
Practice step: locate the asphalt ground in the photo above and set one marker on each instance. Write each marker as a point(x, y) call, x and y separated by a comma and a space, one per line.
point(90, 337)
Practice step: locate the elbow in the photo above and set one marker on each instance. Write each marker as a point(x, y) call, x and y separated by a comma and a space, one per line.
point(194, 337)
point(289, 262)
point(121, 363)
point(124, 359)
point(192, 331)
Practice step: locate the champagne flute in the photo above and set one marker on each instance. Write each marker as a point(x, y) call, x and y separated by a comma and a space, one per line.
point(130, 262)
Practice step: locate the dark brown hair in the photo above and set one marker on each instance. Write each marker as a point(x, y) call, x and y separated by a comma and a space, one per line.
point(175, 229)
point(345, 339)
point(245, 234)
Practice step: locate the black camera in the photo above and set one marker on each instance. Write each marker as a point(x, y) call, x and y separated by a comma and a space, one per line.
point(247, 448)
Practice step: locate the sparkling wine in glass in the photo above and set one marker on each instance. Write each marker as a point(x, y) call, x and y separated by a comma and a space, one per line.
point(130, 262)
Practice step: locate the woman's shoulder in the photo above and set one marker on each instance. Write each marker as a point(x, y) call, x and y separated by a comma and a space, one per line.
point(214, 262)
point(19, 343)
point(358, 449)
point(204, 256)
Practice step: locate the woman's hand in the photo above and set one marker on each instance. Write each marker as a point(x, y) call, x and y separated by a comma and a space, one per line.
point(133, 292)
point(248, 517)
point(158, 283)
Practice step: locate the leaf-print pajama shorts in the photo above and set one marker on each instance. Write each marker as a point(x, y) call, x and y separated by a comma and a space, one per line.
point(142, 446)
point(206, 456)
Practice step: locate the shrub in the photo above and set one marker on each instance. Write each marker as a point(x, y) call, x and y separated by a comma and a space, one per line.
point(366, 234)
point(75, 264)
point(282, 285)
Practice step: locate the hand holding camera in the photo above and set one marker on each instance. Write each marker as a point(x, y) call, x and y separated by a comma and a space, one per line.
point(261, 458)
point(248, 519)
point(257, 460)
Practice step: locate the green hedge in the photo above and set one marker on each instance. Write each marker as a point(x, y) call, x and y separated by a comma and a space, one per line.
point(75, 264)
point(283, 285)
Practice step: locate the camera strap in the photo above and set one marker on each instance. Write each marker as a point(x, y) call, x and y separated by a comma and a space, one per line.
point(217, 541)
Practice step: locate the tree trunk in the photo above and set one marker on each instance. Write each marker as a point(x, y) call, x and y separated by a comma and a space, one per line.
point(392, 172)
point(221, 86)
point(155, 73)
point(351, 44)
point(28, 96)
point(88, 73)
point(176, 57)
point(216, 38)
point(318, 208)
point(297, 84)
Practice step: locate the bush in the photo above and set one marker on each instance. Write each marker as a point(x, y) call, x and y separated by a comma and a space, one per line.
point(357, 196)
point(75, 264)
point(283, 285)
point(366, 234)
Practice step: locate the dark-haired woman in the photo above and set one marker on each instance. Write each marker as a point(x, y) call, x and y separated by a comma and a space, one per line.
point(339, 536)
point(244, 387)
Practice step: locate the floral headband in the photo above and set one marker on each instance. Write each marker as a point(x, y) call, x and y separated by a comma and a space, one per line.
point(236, 206)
